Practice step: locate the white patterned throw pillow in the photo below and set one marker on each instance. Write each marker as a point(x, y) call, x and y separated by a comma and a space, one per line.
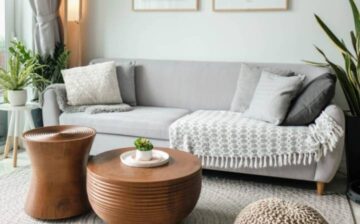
point(93, 84)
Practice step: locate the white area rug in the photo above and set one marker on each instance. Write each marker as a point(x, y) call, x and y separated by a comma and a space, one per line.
point(220, 201)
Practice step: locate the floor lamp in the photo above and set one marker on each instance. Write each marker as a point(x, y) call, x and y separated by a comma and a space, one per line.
point(72, 23)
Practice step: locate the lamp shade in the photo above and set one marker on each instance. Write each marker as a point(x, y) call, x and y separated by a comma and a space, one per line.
point(74, 10)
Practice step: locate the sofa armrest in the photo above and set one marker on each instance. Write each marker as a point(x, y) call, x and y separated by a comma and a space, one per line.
point(329, 165)
point(50, 109)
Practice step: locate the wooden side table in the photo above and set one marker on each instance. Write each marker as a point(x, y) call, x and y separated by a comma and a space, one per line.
point(14, 126)
point(58, 155)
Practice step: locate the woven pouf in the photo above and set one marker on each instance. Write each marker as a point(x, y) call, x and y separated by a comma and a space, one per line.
point(277, 211)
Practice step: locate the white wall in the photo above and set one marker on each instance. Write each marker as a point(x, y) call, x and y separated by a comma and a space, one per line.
point(114, 30)
point(205, 35)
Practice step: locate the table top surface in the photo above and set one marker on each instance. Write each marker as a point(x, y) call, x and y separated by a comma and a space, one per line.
point(108, 167)
point(60, 133)
point(8, 107)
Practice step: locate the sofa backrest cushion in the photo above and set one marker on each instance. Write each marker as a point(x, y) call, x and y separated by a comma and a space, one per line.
point(195, 85)
point(273, 96)
point(248, 80)
point(311, 101)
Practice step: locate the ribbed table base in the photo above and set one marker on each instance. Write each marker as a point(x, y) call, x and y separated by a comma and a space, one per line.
point(154, 202)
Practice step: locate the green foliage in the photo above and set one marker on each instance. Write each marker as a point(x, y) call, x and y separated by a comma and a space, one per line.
point(50, 66)
point(21, 69)
point(143, 144)
point(53, 64)
point(349, 74)
point(19, 50)
point(18, 76)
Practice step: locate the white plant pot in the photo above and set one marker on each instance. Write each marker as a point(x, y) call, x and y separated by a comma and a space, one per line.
point(17, 97)
point(143, 155)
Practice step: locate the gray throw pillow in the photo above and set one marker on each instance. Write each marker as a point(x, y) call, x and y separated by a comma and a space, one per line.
point(248, 80)
point(311, 101)
point(272, 97)
point(126, 79)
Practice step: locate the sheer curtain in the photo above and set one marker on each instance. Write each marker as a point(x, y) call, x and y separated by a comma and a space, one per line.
point(46, 34)
point(3, 40)
point(47, 27)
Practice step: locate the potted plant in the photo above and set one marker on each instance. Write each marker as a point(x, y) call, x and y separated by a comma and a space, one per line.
point(49, 69)
point(52, 66)
point(143, 149)
point(349, 78)
point(17, 77)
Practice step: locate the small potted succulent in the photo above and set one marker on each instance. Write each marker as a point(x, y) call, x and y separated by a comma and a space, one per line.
point(143, 149)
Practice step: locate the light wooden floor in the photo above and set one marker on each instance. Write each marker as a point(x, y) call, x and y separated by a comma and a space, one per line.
point(337, 185)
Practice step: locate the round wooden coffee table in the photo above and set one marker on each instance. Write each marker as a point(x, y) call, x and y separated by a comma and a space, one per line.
point(58, 155)
point(122, 194)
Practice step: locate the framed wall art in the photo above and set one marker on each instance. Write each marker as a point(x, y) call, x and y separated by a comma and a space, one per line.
point(250, 5)
point(165, 5)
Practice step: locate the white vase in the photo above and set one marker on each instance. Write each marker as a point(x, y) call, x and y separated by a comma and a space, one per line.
point(17, 97)
point(143, 155)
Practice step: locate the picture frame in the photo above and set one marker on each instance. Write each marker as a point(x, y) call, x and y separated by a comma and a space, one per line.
point(165, 6)
point(250, 5)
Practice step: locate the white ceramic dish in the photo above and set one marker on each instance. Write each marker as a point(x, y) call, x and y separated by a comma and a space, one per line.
point(159, 158)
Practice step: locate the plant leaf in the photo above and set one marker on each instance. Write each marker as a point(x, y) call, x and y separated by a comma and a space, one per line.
point(354, 42)
point(350, 91)
point(317, 64)
point(332, 36)
point(356, 15)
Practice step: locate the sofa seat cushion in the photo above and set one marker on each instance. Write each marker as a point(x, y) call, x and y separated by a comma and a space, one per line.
point(149, 122)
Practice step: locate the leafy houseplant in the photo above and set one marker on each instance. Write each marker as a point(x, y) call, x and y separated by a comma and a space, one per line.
point(17, 77)
point(143, 149)
point(349, 75)
point(349, 78)
point(51, 65)
point(49, 69)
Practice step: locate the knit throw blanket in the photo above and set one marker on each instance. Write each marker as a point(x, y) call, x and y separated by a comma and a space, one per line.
point(227, 140)
point(61, 99)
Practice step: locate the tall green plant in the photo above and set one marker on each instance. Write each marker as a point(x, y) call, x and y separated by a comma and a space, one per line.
point(53, 64)
point(18, 76)
point(349, 74)
point(20, 51)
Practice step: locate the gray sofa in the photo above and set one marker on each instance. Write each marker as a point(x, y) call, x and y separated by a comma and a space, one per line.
point(168, 90)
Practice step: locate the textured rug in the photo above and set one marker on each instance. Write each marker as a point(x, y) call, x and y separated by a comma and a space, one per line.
point(221, 200)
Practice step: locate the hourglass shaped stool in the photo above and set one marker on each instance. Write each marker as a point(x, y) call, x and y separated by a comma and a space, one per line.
point(58, 155)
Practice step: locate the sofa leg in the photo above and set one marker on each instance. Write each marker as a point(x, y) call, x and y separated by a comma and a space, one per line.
point(320, 188)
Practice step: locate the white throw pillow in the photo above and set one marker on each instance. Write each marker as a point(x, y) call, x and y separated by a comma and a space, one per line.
point(92, 84)
point(273, 96)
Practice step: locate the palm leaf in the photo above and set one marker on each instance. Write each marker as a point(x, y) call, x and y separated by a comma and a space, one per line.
point(354, 42)
point(349, 75)
point(317, 64)
point(356, 16)
point(350, 92)
point(332, 36)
